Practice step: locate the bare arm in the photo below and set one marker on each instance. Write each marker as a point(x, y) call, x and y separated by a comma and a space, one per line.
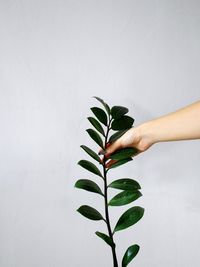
point(183, 124)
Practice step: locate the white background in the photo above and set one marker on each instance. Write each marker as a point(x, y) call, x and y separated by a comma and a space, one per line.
point(54, 56)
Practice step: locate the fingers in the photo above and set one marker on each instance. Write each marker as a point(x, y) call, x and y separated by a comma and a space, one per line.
point(110, 149)
point(110, 163)
point(103, 152)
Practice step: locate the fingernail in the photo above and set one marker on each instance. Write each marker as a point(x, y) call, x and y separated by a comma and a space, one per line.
point(102, 152)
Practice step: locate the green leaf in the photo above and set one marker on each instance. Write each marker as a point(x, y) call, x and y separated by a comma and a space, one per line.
point(123, 123)
point(130, 253)
point(125, 184)
point(91, 153)
point(106, 238)
point(125, 197)
point(118, 111)
point(90, 167)
point(104, 104)
point(96, 125)
point(120, 162)
point(124, 153)
point(88, 185)
point(116, 135)
point(100, 114)
point(95, 136)
point(90, 213)
point(129, 217)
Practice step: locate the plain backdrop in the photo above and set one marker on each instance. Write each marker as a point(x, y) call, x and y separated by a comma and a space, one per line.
point(54, 56)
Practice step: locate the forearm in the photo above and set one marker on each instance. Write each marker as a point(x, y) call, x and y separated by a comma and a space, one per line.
point(183, 124)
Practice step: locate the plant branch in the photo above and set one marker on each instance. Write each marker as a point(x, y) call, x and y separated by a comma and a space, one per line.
point(115, 263)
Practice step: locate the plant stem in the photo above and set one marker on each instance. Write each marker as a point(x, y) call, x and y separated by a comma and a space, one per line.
point(115, 263)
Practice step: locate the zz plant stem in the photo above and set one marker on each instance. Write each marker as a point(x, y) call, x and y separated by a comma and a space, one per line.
point(104, 121)
point(115, 263)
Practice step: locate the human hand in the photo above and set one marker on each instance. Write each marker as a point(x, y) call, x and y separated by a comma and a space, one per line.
point(135, 137)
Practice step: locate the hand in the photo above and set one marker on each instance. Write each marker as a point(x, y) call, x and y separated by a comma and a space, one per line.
point(134, 137)
point(183, 124)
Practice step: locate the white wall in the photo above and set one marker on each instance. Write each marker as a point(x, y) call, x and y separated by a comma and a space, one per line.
point(54, 56)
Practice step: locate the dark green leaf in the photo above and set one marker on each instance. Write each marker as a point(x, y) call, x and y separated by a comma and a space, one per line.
point(125, 184)
point(90, 167)
point(90, 213)
point(125, 197)
point(104, 104)
point(131, 252)
point(124, 153)
point(100, 114)
point(123, 123)
point(95, 136)
point(116, 135)
point(129, 217)
point(91, 153)
point(118, 111)
point(96, 125)
point(120, 162)
point(106, 238)
point(89, 186)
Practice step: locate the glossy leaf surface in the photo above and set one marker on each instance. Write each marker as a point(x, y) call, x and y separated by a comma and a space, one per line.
point(124, 153)
point(129, 217)
point(88, 185)
point(116, 136)
point(120, 162)
point(123, 123)
point(125, 184)
point(90, 167)
point(130, 253)
point(106, 238)
point(96, 125)
point(104, 104)
point(95, 136)
point(125, 197)
point(90, 213)
point(118, 111)
point(91, 153)
point(100, 114)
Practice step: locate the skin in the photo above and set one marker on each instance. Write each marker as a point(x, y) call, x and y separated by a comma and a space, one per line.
point(183, 124)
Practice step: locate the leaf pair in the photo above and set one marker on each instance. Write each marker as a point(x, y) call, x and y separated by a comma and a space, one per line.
point(101, 117)
point(132, 214)
point(122, 156)
point(130, 253)
point(128, 218)
point(131, 192)
point(120, 121)
point(86, 164)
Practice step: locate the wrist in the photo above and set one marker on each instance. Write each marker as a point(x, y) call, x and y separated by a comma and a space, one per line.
point(147, 132)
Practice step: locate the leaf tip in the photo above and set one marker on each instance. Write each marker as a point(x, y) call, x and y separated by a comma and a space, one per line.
point(77, 209)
